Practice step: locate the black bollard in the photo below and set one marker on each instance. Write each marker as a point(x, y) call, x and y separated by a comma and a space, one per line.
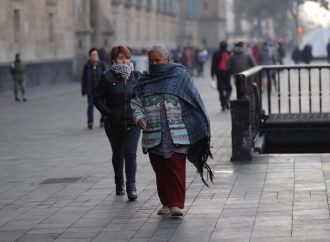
point(241, 130)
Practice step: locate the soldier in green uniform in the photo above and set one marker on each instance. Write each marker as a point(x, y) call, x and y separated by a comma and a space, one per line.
point(17, 71)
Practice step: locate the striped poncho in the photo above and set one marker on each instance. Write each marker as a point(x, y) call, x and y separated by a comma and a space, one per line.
point(171, 78)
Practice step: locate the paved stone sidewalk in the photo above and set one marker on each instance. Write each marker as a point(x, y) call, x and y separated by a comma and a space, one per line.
point(274, 198)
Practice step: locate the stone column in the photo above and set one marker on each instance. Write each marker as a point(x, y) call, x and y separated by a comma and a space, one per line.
point(83, 35)
point(95, 21)
point(182, 22)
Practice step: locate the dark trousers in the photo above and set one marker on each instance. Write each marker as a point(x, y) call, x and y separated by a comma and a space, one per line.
point(90, 109)
point(170, 178)
point(19, 85)
point(224, 87)
point(124, 145)
point(200, 69)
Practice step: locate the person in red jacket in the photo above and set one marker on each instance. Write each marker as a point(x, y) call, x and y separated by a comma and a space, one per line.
point(219, 70)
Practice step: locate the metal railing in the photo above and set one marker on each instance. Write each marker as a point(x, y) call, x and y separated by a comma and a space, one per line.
point(276, 95)
point(285, 89)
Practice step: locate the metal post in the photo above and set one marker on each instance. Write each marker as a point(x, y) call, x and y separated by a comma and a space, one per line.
point(299, 89)
point(320, 88)
point(241, 130)
point(289, 90)
point(279, 90)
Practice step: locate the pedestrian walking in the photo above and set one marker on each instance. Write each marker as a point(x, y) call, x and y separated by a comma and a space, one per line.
point(202, 57)
point(113, 98)
point(17, 70)
point(239, 60)
point(281, 51)
point(169, 109)
point(92, 72)
point(296, 55)
point(267, 57)
point(177, 55)
point(220, 71)
point(256, 53)
point(328, 51)
point(187, 59)
point(306, 54)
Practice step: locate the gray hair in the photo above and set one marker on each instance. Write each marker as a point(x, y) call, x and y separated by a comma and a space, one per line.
point(161, 49)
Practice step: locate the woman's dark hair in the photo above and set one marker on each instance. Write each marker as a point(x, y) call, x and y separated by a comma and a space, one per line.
point(120, 49)
point(240, 44)
point(223, 45)
point(92, 50)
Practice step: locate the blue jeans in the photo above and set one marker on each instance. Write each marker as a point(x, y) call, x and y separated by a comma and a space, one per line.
point(124, 146)
point(90, 109)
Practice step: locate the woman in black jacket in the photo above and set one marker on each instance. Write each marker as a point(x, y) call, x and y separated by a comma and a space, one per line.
point(112, 98)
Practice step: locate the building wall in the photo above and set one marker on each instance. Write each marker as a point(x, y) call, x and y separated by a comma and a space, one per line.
point(212, 23)
point(44, 30)
point(62, 31)
point(139, 27)
point(50, 29)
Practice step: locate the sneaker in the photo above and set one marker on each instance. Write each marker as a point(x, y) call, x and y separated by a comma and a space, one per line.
point(176, 212)
point(17, 99)
point(24, 99)
point(164, 210)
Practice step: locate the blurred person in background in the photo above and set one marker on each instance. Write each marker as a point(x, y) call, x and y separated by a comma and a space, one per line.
point(240, 60)
point(296, 55)
point(202, 57)
point(281, 51)
point(267, 57)
point(220, 71)
point(92, 72)
point(187, 59)
point(17, 70)
point(256, 53)
point(328, 51)
point(306, 54)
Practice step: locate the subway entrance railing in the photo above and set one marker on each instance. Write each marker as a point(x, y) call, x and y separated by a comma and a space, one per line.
point(281, 109)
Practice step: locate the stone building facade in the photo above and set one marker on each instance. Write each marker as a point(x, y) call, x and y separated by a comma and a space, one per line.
point(54, 36)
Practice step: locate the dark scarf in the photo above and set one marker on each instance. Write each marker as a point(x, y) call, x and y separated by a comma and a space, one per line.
point(174, 79)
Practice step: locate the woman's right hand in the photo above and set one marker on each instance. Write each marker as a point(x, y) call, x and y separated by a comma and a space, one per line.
point(142, 123)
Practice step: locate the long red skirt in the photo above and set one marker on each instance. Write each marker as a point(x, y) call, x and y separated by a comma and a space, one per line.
point(171, 178)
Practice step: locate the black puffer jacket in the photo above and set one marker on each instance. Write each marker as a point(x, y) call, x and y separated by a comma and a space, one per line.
point(113, 98)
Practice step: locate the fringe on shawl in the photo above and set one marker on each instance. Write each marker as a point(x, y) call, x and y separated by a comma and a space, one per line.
point(198, 154)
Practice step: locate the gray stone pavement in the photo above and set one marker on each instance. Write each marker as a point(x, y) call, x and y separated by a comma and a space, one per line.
point(274, 198)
